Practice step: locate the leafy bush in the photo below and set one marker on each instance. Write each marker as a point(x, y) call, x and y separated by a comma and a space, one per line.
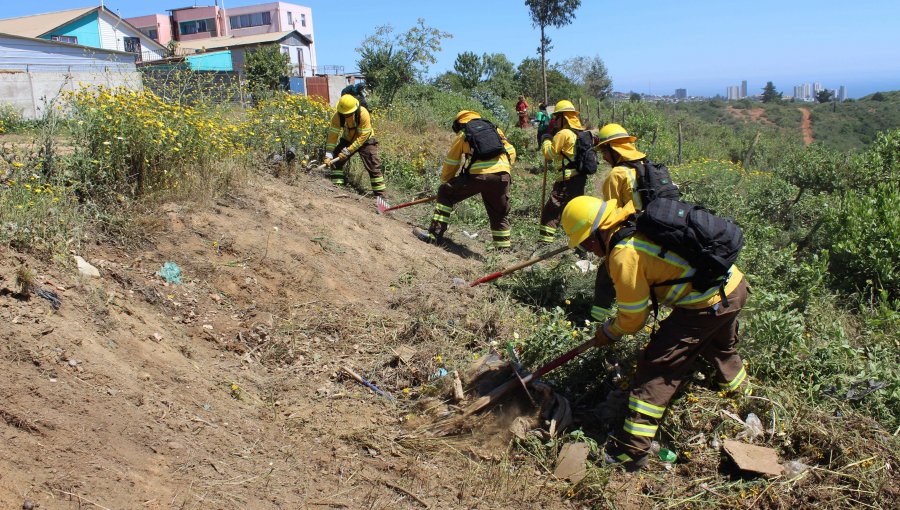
point(10, 118)
point(865, 240)
point(287, 121)
point(131, 143)
point(36, 214)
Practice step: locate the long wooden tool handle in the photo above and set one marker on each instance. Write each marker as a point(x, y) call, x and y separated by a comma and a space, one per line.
point(560, 361)
point(520, 265)
point(544, 187)
point(414, 202)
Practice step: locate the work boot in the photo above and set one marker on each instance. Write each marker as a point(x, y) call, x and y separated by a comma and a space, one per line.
point(426, 237)
point(615, 456)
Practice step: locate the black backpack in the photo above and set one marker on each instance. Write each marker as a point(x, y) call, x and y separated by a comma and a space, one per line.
point(653, 181)
point(585, 161)
point(484, 139)
point(709, 243)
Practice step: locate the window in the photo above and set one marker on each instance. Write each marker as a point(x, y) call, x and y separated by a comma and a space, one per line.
point(152, 33)
point(302, 20)
point(64, 38)
point(290, 18)
point(256, 19)
point(197, 26)
point(132, 45)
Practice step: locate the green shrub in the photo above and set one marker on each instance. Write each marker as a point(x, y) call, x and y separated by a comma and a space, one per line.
point(10, 118)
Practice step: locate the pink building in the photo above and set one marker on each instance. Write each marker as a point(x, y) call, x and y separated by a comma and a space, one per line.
point(195, 23)
point(155, 26)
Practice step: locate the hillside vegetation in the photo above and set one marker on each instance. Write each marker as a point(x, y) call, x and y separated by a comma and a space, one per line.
point(229, 390)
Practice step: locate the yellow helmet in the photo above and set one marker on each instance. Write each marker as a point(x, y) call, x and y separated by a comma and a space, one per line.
point(463, 117)
point(347, 105)
point(565, 106)
point(612, 132)
point(583, 215)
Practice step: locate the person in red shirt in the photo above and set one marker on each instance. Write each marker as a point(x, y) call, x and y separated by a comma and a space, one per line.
point(522, 110)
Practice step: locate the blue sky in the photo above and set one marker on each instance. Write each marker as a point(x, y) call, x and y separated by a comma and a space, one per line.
point(649, 46)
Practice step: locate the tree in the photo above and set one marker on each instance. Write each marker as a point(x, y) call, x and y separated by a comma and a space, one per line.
point(389, 61)
point(634, 97)
point(823, 96)
point(770, 95)
point(878, 96)
point(469, 67)
point(500, 75)
point(530, 77)
point(591, 73)
point(550, 13)
point(265, 67)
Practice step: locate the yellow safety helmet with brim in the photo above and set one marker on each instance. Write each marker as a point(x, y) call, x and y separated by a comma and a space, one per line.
point(612, 132)
point(583, 215)
point(462, 118)
point(565, 106)
point(347, 104)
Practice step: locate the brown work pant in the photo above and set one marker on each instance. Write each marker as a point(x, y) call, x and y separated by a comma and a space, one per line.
point(494, 191)
point(685, 335)
point(560, 195)
point(369, 154)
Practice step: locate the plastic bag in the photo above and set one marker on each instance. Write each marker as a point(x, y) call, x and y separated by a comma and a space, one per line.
point(754, 427)
point(794, 468)
point(170, 272)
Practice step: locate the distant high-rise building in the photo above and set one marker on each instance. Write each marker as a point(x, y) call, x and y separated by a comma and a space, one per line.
point(842, 93)
point(816, 88)
point(744, 88)
point(807, 92)
point(798, 92)
point(733, 93)
point(680, 93)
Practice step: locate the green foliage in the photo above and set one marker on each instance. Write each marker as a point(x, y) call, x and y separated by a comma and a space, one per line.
point(770, 95)
point(824, 96)
point(500, 75)
point(469, 68)
point(390, 61)
point(10, 118)
point(590, 73)
point(634, 97)
point(529, 76)
point(494, 104)
point(265, 67)
point(864, 240)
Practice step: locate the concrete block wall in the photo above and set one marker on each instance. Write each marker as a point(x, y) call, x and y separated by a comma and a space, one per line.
point(31, 92)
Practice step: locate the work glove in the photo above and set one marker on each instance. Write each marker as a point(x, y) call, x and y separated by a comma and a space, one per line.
point(600, 338)
point(329, 156)
point(345, 153)
point(545, 138)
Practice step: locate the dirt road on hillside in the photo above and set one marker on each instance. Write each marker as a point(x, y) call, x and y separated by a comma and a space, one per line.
point(806, 126)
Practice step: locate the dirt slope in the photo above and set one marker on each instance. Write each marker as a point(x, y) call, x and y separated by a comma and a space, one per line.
point(225, 392)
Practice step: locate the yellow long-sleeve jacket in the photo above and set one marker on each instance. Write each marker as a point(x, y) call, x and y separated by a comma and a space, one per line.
point(561, 150)
point(356, 135)
point(453, 162)
point(621, 185)
point(635, 265)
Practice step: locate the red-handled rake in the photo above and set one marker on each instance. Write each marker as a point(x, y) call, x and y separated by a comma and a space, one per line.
point(384, 207)
point(520, 265)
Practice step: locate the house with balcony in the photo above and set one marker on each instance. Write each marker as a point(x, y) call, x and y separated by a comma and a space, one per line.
point(259, 23)
point(94, 27)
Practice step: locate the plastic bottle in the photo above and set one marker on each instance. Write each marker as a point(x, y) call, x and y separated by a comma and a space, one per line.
point(667, 455)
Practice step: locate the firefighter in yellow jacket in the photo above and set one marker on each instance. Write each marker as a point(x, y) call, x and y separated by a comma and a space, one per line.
point(701, 324)
point(351, 132)
point(560, 152)
point(464, 174)
point(616, 147)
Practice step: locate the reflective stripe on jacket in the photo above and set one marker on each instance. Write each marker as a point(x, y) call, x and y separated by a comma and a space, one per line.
point(634, 265)
point(454, 160)
point(621, 185)
point(556, 152)
point(357, 136)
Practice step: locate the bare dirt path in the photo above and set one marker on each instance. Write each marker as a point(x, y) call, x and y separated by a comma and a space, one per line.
point(806, 126)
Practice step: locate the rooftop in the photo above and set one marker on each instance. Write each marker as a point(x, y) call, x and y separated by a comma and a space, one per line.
point(231, 41)
point(35, 25)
